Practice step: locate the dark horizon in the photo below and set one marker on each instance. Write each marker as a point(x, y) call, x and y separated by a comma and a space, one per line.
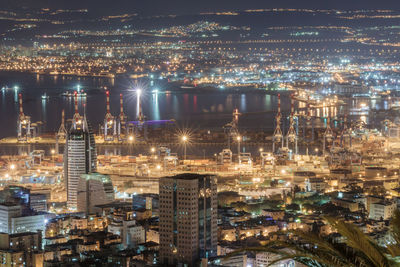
point(181, 7)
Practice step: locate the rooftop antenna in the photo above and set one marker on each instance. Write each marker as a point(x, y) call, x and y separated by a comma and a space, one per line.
point(77, 119)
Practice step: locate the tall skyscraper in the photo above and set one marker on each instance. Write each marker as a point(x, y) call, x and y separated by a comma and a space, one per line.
point(79, 156)
point(188, 218)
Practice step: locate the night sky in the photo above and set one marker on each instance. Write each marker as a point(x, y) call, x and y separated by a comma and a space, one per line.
point(189, 6)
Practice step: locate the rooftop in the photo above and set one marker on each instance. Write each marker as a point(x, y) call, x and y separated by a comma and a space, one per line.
point(97, 176)
point(20, 234)
point(189, 176)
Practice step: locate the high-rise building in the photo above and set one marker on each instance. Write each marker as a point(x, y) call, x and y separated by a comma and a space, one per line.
point(94, 189)
point(13, 220)
point(188, 218)
point(7, 212)
point(38, 202)
point(25, 197)
point(79, 157)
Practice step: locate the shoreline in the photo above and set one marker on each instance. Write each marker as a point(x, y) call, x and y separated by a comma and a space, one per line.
point(173, 86)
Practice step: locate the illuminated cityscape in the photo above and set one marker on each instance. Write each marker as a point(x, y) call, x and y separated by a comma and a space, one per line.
point(220, 133)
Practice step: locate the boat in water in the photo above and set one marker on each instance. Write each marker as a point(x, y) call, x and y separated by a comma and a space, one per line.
point(72, 93)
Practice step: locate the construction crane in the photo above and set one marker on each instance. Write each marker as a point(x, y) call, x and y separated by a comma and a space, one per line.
point(345, 136)
point(23, 123)
point(328, 135)
point(291, 136)
point(109, 127)
point(231, 128)
point(277, 136)
point(122, 125)
point(308, 123)
point(62, 132)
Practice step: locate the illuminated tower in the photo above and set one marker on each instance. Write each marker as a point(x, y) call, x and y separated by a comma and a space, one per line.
point(79, 155)
point(109, 122)
point(291, 136)
point(23, 123)
point(278, 136)
point(77, 121)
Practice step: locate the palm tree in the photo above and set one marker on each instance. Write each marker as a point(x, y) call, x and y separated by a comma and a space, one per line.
point(357, 250)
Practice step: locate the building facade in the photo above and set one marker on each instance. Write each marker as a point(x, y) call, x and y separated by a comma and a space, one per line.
point(382, 210)
point(13, 221)
point(38, 202)
point(28, 246)
point(188, 218)
point(94, 189)
point(80, 157)
point(7, 212)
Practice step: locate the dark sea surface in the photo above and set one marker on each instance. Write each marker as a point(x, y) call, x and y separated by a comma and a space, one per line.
point(189, 107)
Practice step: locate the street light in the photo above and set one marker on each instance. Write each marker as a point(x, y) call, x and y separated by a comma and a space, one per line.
point(131, 138)
point(52, 154)
point(184, 140)
point(12, 168)
point(238, 138)
point(152, 150)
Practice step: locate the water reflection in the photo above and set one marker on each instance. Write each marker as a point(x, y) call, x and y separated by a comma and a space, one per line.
point(186, 102)
point(267, 101)
point(175, 105)
point(138, 105)
point(44, 111)
point(243, 103)
point(195, 103)
point(15, 93)
point(156, 109)
point(3, 100)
